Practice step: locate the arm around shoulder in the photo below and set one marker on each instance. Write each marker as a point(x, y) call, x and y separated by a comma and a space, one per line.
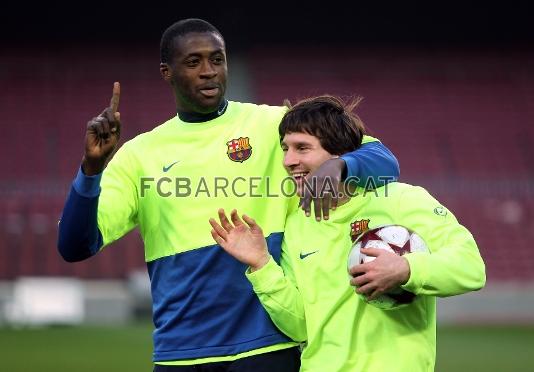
point(372, 165)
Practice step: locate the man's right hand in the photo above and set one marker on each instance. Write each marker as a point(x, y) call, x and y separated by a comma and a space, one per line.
point(242, 240)
point(102, 135)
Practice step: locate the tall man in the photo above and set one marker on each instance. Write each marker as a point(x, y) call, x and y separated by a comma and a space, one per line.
point(168, 181)
point(309, 297)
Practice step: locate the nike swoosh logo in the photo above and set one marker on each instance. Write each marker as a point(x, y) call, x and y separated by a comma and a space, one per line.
point(166, 169)
point(304, 255)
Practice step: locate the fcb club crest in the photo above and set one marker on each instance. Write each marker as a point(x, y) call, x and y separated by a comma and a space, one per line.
point(357, 228)
point(239, 149)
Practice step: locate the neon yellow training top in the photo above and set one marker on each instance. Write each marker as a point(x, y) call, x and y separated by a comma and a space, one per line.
point(310, 298)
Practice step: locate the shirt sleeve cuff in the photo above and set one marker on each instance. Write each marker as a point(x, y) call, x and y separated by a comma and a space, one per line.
point(87, 186)
point(262, 280)
point(417, 272)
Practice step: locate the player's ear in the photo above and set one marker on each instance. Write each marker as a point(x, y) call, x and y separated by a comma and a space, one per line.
point(165, 71)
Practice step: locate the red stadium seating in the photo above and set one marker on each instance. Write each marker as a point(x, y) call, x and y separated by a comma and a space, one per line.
point(460, 123)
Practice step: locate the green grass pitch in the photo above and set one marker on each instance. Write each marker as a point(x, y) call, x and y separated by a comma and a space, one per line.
point(129, 348)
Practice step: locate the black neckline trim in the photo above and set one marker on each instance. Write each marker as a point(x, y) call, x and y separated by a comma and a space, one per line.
point(195, 117)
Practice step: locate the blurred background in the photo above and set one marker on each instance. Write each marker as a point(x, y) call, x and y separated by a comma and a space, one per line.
point(449, 88)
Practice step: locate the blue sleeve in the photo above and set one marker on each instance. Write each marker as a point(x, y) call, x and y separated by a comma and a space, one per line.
point(79, 237)
point(372, 165)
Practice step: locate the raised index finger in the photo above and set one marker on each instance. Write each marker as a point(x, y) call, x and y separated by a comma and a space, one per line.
point(114, 103)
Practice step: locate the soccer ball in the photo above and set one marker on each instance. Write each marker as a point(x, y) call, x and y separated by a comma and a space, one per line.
point(392, 238)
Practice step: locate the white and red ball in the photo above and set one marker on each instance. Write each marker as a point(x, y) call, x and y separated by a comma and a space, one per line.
point(392, 238)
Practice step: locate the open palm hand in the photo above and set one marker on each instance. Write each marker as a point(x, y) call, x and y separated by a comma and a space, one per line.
point(242, 240)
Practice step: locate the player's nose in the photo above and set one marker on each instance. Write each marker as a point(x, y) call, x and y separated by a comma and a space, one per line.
point(290, 159)
point(207, 70)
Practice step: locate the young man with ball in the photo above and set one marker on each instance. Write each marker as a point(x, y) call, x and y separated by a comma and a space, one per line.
point(309, 296)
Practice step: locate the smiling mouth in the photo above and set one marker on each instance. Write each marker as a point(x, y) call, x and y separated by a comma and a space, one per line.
point(299, 176)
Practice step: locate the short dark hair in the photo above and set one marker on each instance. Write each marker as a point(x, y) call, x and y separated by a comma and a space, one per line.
point(181, 28)
point(328, 118)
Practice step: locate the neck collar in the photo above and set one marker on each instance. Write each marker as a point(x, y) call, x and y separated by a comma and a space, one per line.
point(195, 117)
